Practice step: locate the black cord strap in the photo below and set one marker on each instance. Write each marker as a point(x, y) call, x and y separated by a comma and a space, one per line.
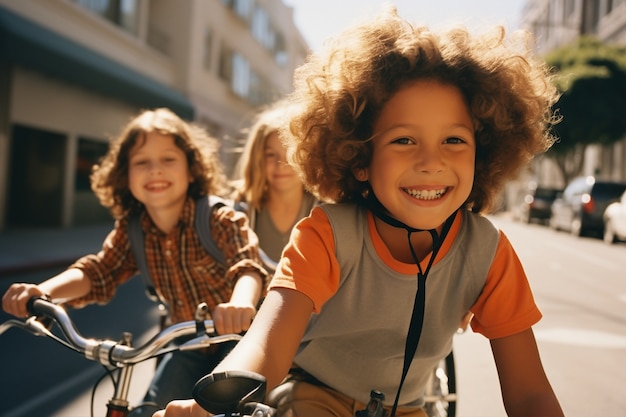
point(419, 306)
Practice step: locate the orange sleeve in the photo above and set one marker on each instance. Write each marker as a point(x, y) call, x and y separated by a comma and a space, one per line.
point(309, 264)
point(506, 305)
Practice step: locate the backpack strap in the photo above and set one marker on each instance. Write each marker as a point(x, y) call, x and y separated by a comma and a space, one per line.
point(202, 224)
point(137, 246)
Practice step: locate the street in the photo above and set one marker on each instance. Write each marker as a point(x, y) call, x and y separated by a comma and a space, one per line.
point(579, 284)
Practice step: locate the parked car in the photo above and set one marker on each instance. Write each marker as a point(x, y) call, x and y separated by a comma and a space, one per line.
point(580, 208)
point(537, 204)
point(615, 221)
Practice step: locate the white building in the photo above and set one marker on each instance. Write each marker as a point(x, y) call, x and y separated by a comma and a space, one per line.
point(73, 72)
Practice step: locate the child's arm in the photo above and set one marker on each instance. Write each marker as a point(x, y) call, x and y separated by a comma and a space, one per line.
point(270, 345)
point(268, 348)
point(236, 315)
point(526, 390)
point(67, 285)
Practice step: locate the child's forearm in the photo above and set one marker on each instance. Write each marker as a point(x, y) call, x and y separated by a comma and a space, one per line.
point(67, 285)
point(247, 289)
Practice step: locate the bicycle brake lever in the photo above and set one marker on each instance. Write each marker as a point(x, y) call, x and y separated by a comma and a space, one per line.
point(202, 312)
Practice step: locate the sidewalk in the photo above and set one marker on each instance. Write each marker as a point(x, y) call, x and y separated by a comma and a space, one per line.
point(32, 249)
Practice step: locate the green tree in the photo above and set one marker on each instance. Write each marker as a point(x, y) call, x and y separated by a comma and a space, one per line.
point(591, 77)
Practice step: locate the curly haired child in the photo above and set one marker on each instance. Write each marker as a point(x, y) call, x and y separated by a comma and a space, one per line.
point(269, 186)
point(157, 168)
point(412, 134)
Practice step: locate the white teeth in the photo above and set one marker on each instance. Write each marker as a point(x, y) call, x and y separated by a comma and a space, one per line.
point(426, 194)
point(157, 186)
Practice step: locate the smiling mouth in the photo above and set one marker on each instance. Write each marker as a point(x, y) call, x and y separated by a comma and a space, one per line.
point(157, 186)
point(426, 194)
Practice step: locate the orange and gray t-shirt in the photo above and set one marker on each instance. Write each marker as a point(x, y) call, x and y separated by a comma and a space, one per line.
point(363, 298)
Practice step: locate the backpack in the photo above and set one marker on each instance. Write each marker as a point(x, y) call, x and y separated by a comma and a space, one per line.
point(204, 207)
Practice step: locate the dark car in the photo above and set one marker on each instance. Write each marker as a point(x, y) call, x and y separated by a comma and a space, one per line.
point(537, 204)
point(580, 208)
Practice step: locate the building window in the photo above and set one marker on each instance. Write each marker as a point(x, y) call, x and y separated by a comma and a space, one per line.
point(208, 49)
point(124, 13)
point(268, 35)
point(242, 80)
point(261, 27)
point(568, 9)
point(242, 8)
point(89, 153)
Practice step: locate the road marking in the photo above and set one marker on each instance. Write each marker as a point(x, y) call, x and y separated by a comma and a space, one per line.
point(581, 337)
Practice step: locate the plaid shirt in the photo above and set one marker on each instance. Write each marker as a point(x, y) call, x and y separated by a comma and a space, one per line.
point(183, 274)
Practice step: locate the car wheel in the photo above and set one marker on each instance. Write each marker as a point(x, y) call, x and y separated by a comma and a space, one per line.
point(576, 227)
point(609, 235)
point(552, 223)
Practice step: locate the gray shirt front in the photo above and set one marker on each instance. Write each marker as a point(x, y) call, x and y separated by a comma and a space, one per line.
point(356, 343)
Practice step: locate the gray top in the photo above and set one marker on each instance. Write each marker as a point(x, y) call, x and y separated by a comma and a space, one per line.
point(365, 349)
point(272, 240)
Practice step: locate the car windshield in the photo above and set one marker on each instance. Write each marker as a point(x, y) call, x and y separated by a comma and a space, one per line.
point(608, 190)
point(546, 193)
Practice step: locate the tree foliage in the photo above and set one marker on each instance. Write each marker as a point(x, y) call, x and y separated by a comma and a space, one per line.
point(591, 77)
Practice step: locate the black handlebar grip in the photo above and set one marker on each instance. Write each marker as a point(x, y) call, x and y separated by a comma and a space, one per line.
point(30, 306)
point(225, 392)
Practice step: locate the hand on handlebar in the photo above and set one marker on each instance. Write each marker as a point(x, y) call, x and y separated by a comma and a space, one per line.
point(232, 317)
point(16, 298)
point(182, 408)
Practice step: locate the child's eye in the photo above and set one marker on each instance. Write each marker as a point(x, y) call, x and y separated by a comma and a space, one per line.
point(454, 140)
point(139, 162)
point(403, 141)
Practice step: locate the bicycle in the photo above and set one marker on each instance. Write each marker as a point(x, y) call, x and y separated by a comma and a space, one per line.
point(53, 321)
point(236, 392)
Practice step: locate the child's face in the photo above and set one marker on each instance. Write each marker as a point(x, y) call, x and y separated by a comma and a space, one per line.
point(158, 173)
point(422, 166)
point(279, 174)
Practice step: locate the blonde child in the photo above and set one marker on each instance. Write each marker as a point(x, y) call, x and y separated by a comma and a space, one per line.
point(412, 134)
point(156, 168)
point(269, 186)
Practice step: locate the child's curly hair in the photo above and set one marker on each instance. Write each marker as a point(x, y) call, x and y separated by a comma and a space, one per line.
point(109, 178)
point(340, 91)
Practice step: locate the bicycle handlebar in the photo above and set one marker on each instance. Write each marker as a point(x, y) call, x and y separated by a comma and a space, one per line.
point(234, 390)
point(110, 352)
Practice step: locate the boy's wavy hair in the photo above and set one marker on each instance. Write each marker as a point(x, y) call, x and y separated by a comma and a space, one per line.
point(109, 178)
point(340, 91)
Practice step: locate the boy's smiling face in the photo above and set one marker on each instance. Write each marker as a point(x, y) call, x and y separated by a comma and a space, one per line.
point(158, 173)
point(424, 149)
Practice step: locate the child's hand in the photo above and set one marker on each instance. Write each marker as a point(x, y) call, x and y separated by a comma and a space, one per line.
point(232, 317)
point(182, 408)
point(15, 299)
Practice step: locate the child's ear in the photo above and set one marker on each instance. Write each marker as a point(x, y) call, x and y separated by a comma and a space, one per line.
point(360, 174)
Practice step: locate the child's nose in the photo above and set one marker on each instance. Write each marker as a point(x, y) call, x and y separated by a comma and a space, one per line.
point(154, 166)
point(429, 160)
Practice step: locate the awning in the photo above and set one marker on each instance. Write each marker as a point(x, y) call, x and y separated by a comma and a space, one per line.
point(31, 45)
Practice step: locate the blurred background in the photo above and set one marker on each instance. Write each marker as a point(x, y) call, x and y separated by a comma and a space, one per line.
point(74, 71)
